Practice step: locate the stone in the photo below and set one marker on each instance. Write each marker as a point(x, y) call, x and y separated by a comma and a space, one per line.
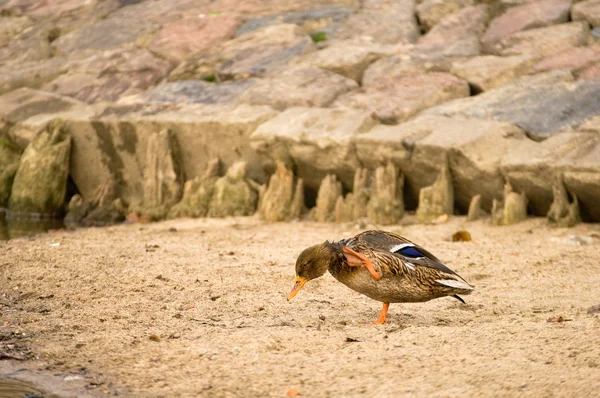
point(197, 193)
point(437, 199)
point(563, 211)
point(178, 39)
point(588, 10)
point(105, 208)
point(361, 192)
point(40, 183)
point(385, 21)
point(329, 192)
point(31, 45)
point(591, 72)
point(278, 199)
point(319, 141)
point(349, 58)
point(464, 24)
point(578, 60)
point(306, 86)
point(541, 108)
point(386, 205)
point(108, 75)
point(163, 172)
point(512, 210)
point(489, 71)
point(30, 74)
point(12, 27)
point(530, 15)
point(420, 58)
point(194, 91)
point(475, 211)
point(327, 19)
point(398, 98)
point(109, 33)
point(544, 41)
point(343, 209)
point(77, 209)
point(298, 208)
point(254, 54)
point(10, 154)
point(431, 12)
point(233, 194)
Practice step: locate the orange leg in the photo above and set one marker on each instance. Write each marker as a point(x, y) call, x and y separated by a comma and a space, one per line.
point(382, 315)
point(356, 259)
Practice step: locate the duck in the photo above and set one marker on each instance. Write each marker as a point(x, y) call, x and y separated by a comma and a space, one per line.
point(383, 266)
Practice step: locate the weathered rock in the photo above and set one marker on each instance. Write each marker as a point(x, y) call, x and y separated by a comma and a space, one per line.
point(10, 154)
point(178, 39)
point(329, 192)
point(464, 24)
point(31, 45)
point(540, 107)
point(278, 200)
point(298, 86)
point(475, 211)
point(108, 214)
point(472, 148)
point(361, 192)
point(349, 58)
point(591, 72)
point(578, 60)
point(108, 75)
point(512, 210)
point(430, 58)
point(41, 180)
point(488, 71)
point(398, 98)
point(77, 209)
point(197, 193)
point(194, 91)
point(253, 54)
point(530, 15)
point(233, 195)
point(544, 41)
point(327, 19)
point(437, 199)
point(30, 74)
point(386, 21)
point(563, 212)
point(386, 205)
point(319, 141)
point(344, 208)
point(588, 10)
point(298, 208)
point(105, 208)
point(431, 12)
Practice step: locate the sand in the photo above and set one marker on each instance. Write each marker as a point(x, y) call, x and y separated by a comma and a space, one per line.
point(189, 308)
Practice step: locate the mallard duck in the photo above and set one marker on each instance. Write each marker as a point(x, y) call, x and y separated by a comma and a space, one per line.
point(383, 266)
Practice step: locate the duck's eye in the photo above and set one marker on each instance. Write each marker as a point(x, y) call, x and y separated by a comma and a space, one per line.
point(410, 251)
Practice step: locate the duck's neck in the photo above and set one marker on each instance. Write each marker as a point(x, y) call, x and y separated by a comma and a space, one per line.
point(336, 255)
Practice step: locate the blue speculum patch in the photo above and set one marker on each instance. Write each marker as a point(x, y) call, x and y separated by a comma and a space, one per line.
point(410, 251)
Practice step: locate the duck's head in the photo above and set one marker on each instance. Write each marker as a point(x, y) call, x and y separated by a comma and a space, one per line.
point(311, 263)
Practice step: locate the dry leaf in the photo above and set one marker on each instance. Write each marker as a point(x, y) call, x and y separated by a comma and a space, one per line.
point(292, 392)
point(461, 236)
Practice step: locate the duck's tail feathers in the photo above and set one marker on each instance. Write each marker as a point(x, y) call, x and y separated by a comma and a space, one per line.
point(463, 287)
point(456, 296)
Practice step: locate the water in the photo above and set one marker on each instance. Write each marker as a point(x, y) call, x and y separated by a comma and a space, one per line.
point(13, 388)
point(14, 227)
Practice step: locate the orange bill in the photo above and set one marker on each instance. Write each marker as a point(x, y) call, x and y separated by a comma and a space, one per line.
point(300, 282)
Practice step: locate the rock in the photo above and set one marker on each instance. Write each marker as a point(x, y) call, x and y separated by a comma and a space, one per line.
point(278, 201)
point(31, 45)
point(431, 12)
point(163, 172)
point(386, 205)
point(475, 211)
point(105, 208)
point(430, 58)
point(233, 195)
point(329, 192)
point(40, 183)
point(349, 58)
point(563, 212)
point(254, 54)
point(197, 193)
point(178, 39)
point(106, 34)
point(298, 208)
point(385, 21)
point(530, 15)
point(108, 75)
point(512, 210)
point(489, 71)
point(10, 154)
point(30, 74)
point(318, 140)
point(588, 10)
point(77, 209)
point(464, 24)
point(541, 109)
point(578, 60)
point(108, 214)
point(591, 72)
point(327, 19)
point(298, 86)
point(437, 199)
point(12, 27)
point(398, 98)
point(344, 208)
point(361, 192)
point(194, 91)
point(544, 41)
